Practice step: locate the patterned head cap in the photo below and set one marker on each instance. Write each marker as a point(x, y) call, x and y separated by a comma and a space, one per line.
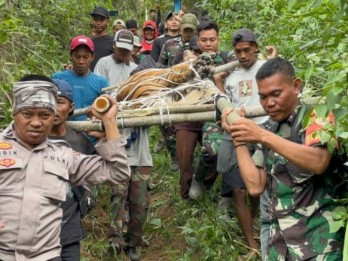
point(34, 94)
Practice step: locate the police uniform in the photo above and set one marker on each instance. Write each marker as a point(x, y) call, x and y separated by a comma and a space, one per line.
point(33, 185)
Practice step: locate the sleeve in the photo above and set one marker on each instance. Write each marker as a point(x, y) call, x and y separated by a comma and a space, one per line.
point(158, 18)
point(163, 57)
point(110, 166)
point(99, 68)
point(155, 52)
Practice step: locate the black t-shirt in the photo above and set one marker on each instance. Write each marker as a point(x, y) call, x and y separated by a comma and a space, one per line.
point(102, 48)
point(72, 230)
point(158, 44)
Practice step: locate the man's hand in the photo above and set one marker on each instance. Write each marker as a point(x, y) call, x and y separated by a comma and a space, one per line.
point(242, 130)
point(108, 118)
point(271, 52)
point(247, 131)
point(111, 113)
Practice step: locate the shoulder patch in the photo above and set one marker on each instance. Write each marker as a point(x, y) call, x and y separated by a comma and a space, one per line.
point(5, 146)
point(7, 162)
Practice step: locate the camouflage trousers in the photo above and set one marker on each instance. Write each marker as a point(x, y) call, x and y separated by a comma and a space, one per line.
point(205, 168)
point(136, 201)
point(280, 249)
point(168, 133)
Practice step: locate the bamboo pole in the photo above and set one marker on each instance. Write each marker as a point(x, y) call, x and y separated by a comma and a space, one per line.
point(164, 119)
point(157, 110)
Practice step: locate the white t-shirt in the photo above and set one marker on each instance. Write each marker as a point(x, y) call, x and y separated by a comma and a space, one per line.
point(114, 72)
point(241, 88)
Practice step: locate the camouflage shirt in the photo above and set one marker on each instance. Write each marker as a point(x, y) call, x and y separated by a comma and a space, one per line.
point(172, 52)
point(301, 203)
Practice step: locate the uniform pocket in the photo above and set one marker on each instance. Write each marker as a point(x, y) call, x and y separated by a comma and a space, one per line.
point(10, 174)
point(55, 181)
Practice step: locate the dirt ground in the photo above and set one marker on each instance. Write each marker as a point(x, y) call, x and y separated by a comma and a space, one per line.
point(157, 245)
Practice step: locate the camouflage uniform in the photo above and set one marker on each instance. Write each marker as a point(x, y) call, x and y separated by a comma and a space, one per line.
point(301, 204)
point(211, 138)
point(172, 52)
point(206, 161)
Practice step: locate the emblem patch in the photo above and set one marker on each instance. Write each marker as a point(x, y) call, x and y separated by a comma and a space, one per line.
point(5, 146)
point(7, 162)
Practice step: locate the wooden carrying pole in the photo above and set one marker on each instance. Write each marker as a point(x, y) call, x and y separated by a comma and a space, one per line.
point(164, 118)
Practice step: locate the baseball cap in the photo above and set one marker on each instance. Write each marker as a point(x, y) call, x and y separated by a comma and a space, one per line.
point(64, 89)
point(189, 21)
point(137, 41)
point(120, 22)
point(124, 39)
point(170, 14)
point(243, 35)
point(150, 26)
point(102, 11)
point(81, 40)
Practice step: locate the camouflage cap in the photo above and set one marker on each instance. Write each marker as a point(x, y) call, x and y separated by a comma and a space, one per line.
point(34, 94)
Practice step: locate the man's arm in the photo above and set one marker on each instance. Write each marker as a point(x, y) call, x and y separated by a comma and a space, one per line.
point(156, 49)
point(312, 159)
point(254, 177)
point(219, 80)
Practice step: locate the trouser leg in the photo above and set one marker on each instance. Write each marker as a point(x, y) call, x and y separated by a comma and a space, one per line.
point(185, 146)
point(138, 204)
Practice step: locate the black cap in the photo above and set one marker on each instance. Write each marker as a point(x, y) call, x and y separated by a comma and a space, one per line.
point(169, 15)
point(102, 11)
point(193, 43)
point(243, 35)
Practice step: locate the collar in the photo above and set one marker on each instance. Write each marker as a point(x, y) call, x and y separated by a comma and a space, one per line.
point(290, 120)
point(120, 62)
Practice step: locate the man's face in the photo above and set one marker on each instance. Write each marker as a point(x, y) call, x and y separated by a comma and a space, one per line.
point(246, 53)
point(135, 51)
point(117, 28)
point(173, 24)
point(187, 34)
point(100, 23)
point(33, 125)
point(278, 95)
point(208, 41)
point(133, 30)
point(149, 34)
point(81, 59)
point(153, 16)
point(63, 109)
point(122, 55)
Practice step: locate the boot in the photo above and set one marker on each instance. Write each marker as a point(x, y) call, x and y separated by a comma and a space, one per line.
point(224, 208)
point(197, 189)
point(133, 254)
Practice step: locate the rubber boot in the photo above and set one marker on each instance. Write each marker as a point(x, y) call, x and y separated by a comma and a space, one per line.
point(197, 189)
point(224, 208)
